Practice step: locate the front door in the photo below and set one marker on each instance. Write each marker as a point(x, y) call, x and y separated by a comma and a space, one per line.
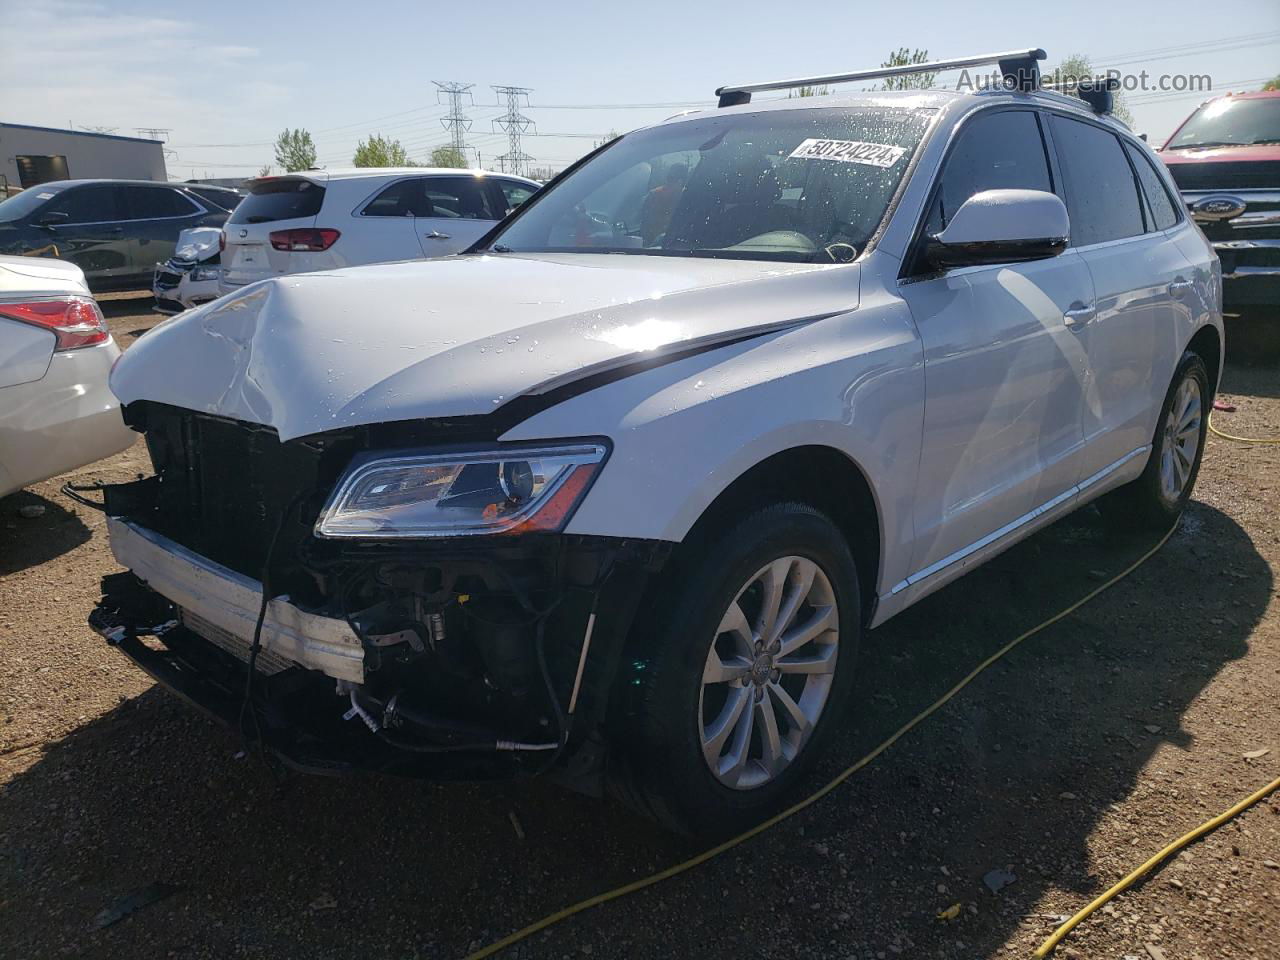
point(1004, 373)
point(91, 233)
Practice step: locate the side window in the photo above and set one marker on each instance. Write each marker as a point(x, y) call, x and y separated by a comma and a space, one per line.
point(461, 197)
point(1000, 150)
point(97, 203)
point(1163, 212)
point(156, 203)
point(515, 193)
point(401, 199)
point(1102, 197)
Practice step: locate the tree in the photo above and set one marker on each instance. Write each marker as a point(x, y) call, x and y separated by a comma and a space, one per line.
point(264, 170)
point(609, 137)
point(380, 151)
point(821, 91)
point(902, 57)
point(1076, 68)
point(295, 150)
point(1272, 84)
point(448, 156)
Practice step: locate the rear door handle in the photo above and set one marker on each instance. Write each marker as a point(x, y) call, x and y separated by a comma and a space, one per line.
point(1179, 287)
point(1079, 314)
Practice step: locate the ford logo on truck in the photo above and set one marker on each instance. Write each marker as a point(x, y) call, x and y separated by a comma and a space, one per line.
point(1217, 208)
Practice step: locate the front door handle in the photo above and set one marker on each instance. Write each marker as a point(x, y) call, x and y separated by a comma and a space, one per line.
point(1180, 287)
point(1078, 314)
point(436, 235)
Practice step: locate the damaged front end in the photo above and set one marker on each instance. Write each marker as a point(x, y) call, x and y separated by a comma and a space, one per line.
point(486, 650)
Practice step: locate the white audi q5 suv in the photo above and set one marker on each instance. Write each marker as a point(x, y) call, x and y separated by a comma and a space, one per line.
point(613, 493)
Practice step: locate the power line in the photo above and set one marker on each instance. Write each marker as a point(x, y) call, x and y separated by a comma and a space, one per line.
point(515, 125)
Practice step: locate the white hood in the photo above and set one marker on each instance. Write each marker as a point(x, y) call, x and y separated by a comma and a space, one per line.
point(454, 337)
point(198, 243)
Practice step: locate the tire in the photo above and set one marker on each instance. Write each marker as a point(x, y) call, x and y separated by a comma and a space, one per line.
point(1157, 498)
point(693, 674)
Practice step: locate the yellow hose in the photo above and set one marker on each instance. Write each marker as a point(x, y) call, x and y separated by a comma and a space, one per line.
point(679, 868)
point(1045, 948)
point(1227, 436)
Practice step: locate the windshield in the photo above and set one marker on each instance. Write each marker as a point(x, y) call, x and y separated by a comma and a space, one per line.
point(1228, 122)
point(800, 185)
point(21, 204)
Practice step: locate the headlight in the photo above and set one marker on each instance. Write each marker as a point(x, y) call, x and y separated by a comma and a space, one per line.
point(204, 273)
point(516, 490)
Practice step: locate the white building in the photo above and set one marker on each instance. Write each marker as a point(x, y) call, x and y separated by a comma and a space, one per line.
point(32, 155)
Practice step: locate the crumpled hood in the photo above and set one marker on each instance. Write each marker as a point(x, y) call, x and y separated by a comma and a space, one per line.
point(457, 336)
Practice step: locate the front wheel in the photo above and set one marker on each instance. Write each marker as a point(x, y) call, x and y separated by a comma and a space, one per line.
point(740, 670)
point(1158, 497)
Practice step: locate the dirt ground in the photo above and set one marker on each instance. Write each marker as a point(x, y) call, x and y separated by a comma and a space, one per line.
point(1068, 763)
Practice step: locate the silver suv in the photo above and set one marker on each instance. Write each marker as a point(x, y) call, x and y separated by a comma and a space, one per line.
point(614, 493)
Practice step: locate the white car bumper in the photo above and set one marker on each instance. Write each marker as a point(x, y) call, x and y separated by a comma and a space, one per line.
point(64, 420)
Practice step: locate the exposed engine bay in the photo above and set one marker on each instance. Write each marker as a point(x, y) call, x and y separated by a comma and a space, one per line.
point(465, 657)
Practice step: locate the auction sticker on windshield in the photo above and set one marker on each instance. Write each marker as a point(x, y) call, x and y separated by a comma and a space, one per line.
point(849, 151)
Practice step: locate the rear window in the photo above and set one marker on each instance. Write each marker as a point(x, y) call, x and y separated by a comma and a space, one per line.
point(283, 199)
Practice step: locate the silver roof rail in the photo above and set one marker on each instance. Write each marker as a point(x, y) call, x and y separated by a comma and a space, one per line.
point(1020, 68)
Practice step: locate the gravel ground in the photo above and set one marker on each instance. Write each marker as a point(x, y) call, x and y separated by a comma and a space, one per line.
point(1068, 763)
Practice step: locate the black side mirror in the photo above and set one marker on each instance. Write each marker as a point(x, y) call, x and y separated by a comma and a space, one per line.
point(51, 219)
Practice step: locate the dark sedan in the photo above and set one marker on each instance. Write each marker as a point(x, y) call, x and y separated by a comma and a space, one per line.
point(114, 230)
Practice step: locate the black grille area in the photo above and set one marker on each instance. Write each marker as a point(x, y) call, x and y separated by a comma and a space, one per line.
point(1226, 176)
point(224, 485)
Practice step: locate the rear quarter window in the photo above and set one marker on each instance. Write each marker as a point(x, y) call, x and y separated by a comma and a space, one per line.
point(283, 199)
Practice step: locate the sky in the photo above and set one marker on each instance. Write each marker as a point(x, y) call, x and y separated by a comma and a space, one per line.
point(226, 77)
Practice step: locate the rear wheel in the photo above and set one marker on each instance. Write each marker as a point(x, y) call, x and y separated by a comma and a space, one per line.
point(739, 671)
point(1160, 494)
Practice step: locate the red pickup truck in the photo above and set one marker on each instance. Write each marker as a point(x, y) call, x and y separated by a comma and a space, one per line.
point(1225, 158)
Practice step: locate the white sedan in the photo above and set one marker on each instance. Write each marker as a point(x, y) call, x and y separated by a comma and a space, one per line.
point(56, 412)
point(323, 219)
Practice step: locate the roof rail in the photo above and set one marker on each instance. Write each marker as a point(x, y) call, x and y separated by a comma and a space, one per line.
point(1020, 68)
point(1097, 92)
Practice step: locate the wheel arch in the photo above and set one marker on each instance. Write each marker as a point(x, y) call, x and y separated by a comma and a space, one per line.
point(1207, 344)
point(826, 479)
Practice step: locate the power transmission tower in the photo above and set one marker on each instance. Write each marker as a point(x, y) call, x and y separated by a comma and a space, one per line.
point(154, 133)
point(514, 124)
point(456, 122)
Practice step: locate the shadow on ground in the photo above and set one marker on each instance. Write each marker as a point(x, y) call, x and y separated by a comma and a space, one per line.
point(378, 868)
point(29, 541)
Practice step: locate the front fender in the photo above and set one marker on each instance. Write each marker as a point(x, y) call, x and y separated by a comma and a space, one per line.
point(683, 432)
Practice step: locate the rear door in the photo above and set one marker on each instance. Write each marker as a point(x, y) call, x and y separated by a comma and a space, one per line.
point(382, 228)
point(155, 217)
point(1131, 335)
point(272, 204)
point(1004, 376)
point(92, 235)
point(455, 212)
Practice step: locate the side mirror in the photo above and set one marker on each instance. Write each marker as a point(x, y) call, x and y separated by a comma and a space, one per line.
point(1002, 226)
point(51, 219)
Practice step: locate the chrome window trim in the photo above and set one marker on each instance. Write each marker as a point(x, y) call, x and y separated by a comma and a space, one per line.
point(201, 210)
point(360, 207)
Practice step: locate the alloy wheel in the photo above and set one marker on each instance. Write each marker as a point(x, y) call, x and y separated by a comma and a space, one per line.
point(1181, 440)
point(769, 672)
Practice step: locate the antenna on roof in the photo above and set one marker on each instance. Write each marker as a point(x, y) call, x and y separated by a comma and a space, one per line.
point(1020, 68)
